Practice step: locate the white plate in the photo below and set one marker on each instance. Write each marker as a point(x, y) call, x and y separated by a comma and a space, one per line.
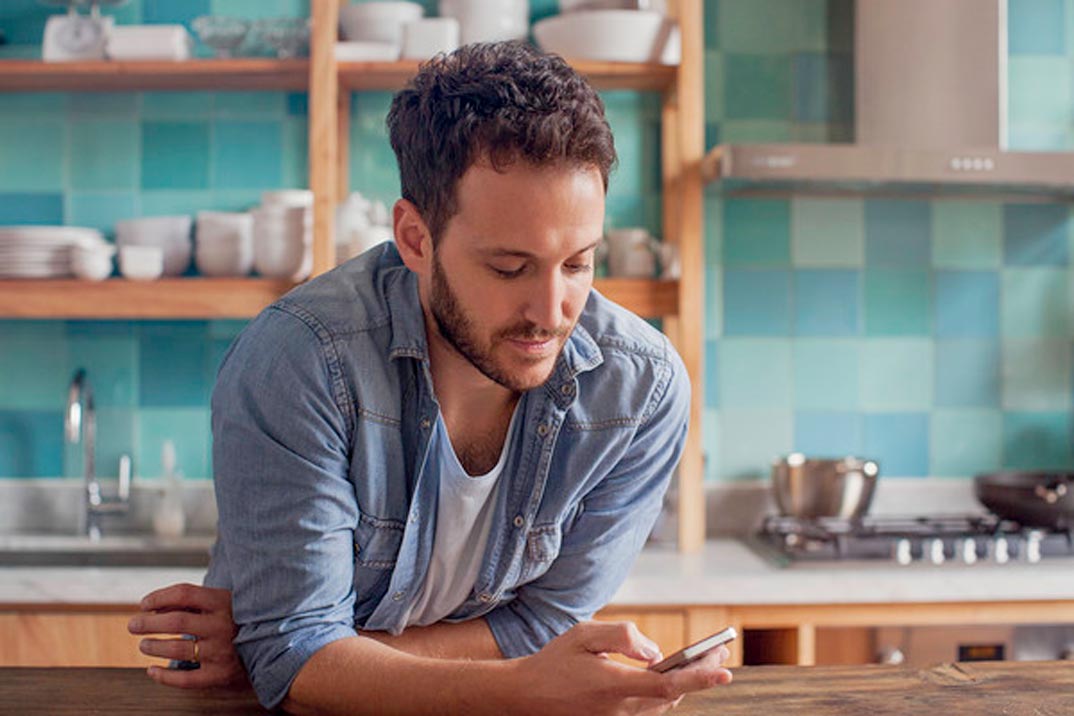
point(38, 235)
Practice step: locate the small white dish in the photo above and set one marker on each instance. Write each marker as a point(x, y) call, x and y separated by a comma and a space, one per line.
point(141, 263)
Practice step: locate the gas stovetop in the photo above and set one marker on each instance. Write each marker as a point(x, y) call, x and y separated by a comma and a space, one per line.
point(933, 539)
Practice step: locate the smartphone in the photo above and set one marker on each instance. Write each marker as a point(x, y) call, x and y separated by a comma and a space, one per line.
point(695, 651)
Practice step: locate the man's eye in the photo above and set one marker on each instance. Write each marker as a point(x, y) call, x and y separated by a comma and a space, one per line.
point(578, 268)
point(507, 273)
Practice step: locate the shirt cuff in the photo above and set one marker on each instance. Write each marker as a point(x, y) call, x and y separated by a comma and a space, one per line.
point(272, 675)
point(520, 631)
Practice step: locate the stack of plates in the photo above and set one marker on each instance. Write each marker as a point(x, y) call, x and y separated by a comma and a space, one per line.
point(40, 251)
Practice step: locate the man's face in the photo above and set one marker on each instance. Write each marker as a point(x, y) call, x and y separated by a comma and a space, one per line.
point(513, 268)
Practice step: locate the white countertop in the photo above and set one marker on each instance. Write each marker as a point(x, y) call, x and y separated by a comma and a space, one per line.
point(726, 572)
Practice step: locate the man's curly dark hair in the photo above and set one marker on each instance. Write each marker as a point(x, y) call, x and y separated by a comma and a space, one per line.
point(496, 102)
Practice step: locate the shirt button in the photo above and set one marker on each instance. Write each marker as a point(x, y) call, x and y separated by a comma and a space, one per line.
point(519, 521)
point(542, 429)
point(567, 389)
point(485, 597)
point(413, 518)
point(398, 596)
point(425, 423)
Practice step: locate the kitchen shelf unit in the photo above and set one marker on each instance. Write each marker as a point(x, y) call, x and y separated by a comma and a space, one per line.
point(329, 83)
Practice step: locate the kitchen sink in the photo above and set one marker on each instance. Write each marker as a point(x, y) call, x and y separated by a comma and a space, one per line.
point(59, 550)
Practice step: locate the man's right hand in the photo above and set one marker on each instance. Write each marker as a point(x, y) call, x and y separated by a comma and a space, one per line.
point(572, 674)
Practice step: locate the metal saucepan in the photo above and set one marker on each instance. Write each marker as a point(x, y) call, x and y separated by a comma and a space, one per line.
point(1032, 499)
point(811, 487)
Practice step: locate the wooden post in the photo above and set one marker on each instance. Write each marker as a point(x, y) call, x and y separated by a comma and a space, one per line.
point(683, 132)
point(324, 88)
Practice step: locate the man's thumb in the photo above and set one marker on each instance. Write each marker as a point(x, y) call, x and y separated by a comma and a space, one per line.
point(618, 638)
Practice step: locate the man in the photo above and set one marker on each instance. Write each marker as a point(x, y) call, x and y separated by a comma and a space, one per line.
point(449, 450)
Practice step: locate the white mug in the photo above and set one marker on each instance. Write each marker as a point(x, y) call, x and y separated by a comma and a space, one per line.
point(630, 253)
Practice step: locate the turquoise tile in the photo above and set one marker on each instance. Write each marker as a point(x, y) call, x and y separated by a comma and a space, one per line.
point(896, 374)
point(967, 373)
point(47, 105)
point(632, 143)
point(111, 365)
point(827, 302)
point(750, 440)
point(119, 105)
point(713, 207)
point(966, 304)
point(104, 155)
point(965, 442)
point(31, 208)
point(899, 442)
point(31, 443)
point(247, 155)
point(813, 28)
point(116, 436)
point(169, 202)
point(228, 328)
point(756, 233)
point(897, 302)
point(298, 104)
point(897, 233)
point(172, 365)
point(1035, 303)
point(710, 443)
point(187, 428)
point(712, 376)
point(101, 210)
point(828, 233)
point(173, 11)
point(35, 371)
point(828, 435)
point(756, 302)
point(713, 302)
point(1036, 441)
point(711, 20)
point(743, 131)
point(263, 105)
point(175, 155)
point(1036, 27)
point(1040, 90)
point(31, 154)
point(754, 373)
point(826, 374)
point(1036, 375)
point(823, 87)
point(966, 235)
point(257, 9)
point(1031, 137)
point(757, 86)
point(1036, 235)
point(715, 109)
point(177, 105)
point(767, 26)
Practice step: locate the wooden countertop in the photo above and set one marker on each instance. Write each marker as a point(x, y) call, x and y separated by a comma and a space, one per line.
point(1040, 688)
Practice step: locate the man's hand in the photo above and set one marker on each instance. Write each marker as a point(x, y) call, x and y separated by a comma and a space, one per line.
point(201, 612)
point(573, 675)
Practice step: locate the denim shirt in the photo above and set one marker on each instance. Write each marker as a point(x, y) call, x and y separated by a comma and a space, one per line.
point(326, 485)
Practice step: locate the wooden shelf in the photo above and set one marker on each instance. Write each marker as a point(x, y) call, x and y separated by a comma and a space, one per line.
point(648, 299)
point(171, 298)
point(113, 76)
point(192, 298)
point(358, 76)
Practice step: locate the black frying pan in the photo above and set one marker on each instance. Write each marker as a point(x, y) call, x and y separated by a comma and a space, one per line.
point(1032, 499)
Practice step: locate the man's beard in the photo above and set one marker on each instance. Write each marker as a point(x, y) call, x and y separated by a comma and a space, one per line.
point(458, 330)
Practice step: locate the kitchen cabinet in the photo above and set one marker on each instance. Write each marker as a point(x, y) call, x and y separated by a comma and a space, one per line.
point(70, 637)
point(329, 82)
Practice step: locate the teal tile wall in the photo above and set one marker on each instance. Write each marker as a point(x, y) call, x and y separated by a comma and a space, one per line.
point(934, 336)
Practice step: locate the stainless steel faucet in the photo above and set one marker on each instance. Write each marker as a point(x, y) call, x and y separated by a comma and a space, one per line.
point(80, 423)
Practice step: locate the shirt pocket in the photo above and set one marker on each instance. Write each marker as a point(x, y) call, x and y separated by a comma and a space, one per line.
point(542, 548)
point(376, 550)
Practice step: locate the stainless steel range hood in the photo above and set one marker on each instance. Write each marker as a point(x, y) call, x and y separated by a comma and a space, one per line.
point(930, 114)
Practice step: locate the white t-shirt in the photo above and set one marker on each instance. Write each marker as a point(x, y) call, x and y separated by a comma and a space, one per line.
point(463, 521)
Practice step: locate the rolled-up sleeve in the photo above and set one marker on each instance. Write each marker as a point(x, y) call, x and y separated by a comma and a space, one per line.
point(287, 507)
point(604, 540)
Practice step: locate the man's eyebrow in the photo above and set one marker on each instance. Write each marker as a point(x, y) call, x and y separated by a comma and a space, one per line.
point(515, 253)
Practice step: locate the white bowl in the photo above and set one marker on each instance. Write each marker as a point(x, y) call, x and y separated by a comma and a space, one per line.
point(367, 51)
point(171, 233)
point(426, 37)
point(281, 256)
point(219, 262)
point(378, 21)
point(92, 262)
point(225, 228)
point(141, 263)
point(611, 36)
point(287, 197)
point(299, 216)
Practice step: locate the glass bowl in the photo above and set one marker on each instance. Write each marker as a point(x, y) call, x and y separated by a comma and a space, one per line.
point(222, 35)
point(288, 36)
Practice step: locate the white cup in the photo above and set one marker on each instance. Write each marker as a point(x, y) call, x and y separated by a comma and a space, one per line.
point(630, 253)
point(141, 263)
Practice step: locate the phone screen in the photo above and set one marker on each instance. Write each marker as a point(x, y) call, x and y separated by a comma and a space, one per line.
point(695, 651)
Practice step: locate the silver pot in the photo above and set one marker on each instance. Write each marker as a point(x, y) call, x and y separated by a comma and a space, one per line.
point(808, 487)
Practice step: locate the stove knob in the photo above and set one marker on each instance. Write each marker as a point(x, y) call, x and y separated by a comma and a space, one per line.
point(969, 551)
point(1033, 547)
point(936, 555)
point(902, 552)
point(1001, 553)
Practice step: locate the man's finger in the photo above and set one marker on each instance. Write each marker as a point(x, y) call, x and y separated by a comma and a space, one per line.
point(197, 679)
point(178, 649)
point(187, 596)
point(174, 623)
point(617, 637)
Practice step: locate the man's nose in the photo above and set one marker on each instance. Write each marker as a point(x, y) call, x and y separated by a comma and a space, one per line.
point(545, 305)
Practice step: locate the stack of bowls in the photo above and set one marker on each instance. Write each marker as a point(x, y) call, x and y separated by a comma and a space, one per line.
point(225, 243)
point(91, 258)
point(283, 234)
point(169, 233)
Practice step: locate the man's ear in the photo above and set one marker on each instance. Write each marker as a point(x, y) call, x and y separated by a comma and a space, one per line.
point(412, 237)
